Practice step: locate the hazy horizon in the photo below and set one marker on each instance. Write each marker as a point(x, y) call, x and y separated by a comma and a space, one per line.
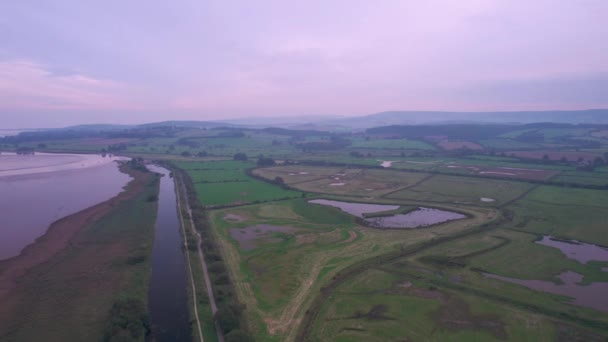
point(66, 63)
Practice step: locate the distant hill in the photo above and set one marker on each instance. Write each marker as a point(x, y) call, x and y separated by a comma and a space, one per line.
point(97, 127)
point(360, 123)
point(592, 116)
point(187, 124)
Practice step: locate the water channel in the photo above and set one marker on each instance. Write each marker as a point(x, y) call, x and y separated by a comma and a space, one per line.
point(168, 295)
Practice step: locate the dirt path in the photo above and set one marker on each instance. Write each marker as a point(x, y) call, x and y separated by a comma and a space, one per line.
point(218, 330)
point(351, 236)
point(413, 185)
point(288, 316)
point(194, 299)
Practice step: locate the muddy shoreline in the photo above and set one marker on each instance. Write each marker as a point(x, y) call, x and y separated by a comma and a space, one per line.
point(60, 234)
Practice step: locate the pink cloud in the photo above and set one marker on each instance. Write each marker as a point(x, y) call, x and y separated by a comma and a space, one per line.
point(28, 85)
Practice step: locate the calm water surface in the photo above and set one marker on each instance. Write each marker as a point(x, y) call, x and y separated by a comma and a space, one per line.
point(579, 251)
point(356, 209)
point(167, 296)
point(36, 190)
point(593, 295)
point(421, 217)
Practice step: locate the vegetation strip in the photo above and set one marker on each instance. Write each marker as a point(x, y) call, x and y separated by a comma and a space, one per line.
point(195, 301)
point(218, 329)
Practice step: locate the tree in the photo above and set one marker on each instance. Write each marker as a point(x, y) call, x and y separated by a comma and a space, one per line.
point(598, 161)
point(202, 154)
point(279, 180)
point(228, 319)
point(186, 154)
point(237, 335)
point(240, 156)
point(265, 161)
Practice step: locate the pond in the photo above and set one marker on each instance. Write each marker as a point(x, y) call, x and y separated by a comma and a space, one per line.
point(592, 295)
point(355, 209)
point(418, 218)
point(579, 251)
point(42, 188)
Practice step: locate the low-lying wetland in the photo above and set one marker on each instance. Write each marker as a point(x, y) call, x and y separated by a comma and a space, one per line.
point(592, 295)
point(249, 237)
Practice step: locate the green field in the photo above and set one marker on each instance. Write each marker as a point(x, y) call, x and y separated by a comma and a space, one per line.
point(281, 272)
point(220, 183)
point(405, 144)
point(454, 189)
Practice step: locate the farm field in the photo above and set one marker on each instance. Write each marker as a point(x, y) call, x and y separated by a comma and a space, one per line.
point(219, 183)
point(454, 189)
point(405, 144)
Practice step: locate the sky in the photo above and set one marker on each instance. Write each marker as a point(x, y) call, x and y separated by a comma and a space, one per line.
point(65, 62)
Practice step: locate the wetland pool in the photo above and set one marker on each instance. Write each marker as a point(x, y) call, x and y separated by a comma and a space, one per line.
point(418, 218)
point(591, 296)
point(576, 250)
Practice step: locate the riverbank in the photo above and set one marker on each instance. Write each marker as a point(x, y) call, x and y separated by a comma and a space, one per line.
point(64, 286)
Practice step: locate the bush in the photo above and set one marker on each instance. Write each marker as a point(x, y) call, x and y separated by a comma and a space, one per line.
point(128, 321)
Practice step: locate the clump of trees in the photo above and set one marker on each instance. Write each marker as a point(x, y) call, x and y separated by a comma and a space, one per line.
point(129, 321)
point(230, 314)
point(25, 150)
point(265, 161)
point(240, 156)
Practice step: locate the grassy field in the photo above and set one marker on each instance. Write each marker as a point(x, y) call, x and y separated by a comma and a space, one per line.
point(279, 274)
point(230, 193)
point(564, 212)
point(226, 183)
point(454, 189)
point(405, 144)
point(346, 181)
point(384, 306)
point(506, 144)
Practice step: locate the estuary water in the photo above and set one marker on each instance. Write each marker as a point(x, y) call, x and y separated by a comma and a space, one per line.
point(36, 190)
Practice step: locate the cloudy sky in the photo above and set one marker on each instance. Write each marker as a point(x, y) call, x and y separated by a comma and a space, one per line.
point(65, 62)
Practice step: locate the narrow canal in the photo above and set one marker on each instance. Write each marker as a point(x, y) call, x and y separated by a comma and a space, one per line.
point(168, 296)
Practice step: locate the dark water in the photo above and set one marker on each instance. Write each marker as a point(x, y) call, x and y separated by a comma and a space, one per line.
point(168, 295)
point(594, 295)
point(37, 190)
point(579, 251)
point(421, 217)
